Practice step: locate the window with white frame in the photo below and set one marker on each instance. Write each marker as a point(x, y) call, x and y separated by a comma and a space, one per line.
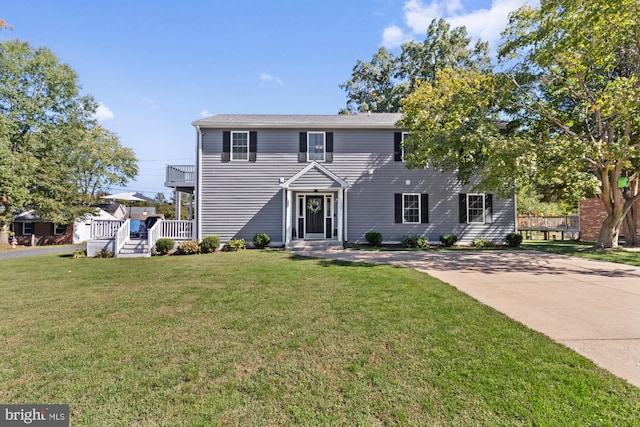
point(405, 149)
point(239, 145)
point(316, 146)
point(27, 228)
point(411, 208)
point(59, 229)
point(475, 208)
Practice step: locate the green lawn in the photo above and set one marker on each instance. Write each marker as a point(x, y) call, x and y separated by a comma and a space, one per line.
point(584, 250)
point(269, 338)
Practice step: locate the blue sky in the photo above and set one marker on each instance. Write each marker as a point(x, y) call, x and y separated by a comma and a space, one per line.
point(156, 66)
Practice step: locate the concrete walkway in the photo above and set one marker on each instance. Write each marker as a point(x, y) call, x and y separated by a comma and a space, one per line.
point(592, 307)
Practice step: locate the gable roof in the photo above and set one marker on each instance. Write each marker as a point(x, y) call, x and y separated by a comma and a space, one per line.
point(317, 166)
point(337, 121)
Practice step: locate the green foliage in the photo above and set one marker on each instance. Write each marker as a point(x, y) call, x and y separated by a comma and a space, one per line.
point(448, 240)
point(104, 253)
point(210, 244)
point(234, 245)
point(374, 238)
point(79, 253)
point(261, 240)
point(189, 247)
point(414, 241)
point(381, 84)
point(164, 245)
point(513, 240)
point(483, 243)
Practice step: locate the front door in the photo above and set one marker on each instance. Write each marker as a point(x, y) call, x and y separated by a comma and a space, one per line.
point(315, 215)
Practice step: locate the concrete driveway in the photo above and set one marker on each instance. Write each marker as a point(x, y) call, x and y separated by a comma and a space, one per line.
point(592, 307)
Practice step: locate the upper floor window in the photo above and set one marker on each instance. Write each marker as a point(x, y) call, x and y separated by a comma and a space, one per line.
point(239, 145)
point(405, 150)
point(316, 146)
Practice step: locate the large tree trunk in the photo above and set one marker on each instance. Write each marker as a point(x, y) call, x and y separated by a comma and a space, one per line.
point(4, 235)
point(609, 232)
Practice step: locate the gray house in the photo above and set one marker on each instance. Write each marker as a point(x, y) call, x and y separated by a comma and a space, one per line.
point(303, 177)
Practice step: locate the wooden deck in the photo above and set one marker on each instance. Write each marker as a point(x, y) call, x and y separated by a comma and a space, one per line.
point(550, 226)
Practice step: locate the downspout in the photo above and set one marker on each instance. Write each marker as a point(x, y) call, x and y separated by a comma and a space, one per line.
point(198, 189)
point(345, 217)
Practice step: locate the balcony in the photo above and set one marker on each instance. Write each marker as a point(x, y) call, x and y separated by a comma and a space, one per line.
point(181, 177)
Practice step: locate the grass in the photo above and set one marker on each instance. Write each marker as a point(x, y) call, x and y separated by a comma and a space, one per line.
point(270, 338)
point(584, 250)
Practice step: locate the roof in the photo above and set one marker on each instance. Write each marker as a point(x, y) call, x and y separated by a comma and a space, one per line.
point(338, 121)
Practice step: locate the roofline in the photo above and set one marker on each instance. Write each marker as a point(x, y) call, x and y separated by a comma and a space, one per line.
point(258, 124)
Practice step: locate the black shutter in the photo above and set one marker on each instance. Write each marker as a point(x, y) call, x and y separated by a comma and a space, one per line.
point(488, 208)
point(397, 146)
point(462, 207)
point(328, 155)
point(226, 146)
point(302, 151)
point(424, 208)
point(398, 208)
point(253, 146)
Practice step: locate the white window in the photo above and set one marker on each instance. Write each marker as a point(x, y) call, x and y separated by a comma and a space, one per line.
point(405, 150)
point(59, 229)
point(475, 208)
point(316, 146)
point(239, 145)
point(411, 208)
point(27, 228)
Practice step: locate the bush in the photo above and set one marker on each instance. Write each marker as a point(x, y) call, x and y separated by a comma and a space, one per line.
point(261, 240)
point(374, 238)
point(448, 240)
point(482, 242)
point(513, 240)
point(164, 245)
point(234, 245)
point(190, 247)
point(209, 244)
point(104, 253)
point(413, 241)
point(79, 253)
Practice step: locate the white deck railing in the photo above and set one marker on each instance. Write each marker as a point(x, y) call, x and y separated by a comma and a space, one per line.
point(184, 175)
point(177, 230)
point(122, 236)
point(153, 234)
point(105, 228)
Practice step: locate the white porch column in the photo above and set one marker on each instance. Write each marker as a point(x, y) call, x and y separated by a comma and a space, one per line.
point(287, 215)
point(341, 211)
point(177, 199)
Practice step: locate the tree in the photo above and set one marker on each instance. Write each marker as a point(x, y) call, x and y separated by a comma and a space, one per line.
point(566, 112)
point(379, 85)
point(44, 127)
point(576, 71)
point(99, 162)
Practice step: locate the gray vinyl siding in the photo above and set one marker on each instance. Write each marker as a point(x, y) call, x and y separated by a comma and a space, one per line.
point(241, 198)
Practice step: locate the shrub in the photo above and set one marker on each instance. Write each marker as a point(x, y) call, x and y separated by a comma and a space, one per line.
point(79, 253)
point(234, 245)
point(513, 240)
point(189, 247)
point(448, 240)
point(374, 238)
point(482, 242)
point(104, 253)
point(209, 244)
point(261, 240)
point(164, 245)
point(413, 241)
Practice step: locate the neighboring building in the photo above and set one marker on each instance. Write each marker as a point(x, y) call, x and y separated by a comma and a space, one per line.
point(29, 229)
point(299, 177)
point(592, 215)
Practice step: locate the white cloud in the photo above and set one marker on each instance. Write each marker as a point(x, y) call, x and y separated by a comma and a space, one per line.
point(394, 36)
point(149, 103)
point(103, 113)
point(205, 113)
point(268, 78)
point(485, 24)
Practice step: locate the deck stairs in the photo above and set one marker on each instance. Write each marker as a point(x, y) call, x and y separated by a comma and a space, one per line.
point(134, 248)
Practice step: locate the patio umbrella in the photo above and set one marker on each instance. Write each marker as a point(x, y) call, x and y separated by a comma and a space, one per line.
point(129, 196)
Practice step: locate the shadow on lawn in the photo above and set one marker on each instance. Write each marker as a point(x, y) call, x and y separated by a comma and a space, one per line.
point(488, 262)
